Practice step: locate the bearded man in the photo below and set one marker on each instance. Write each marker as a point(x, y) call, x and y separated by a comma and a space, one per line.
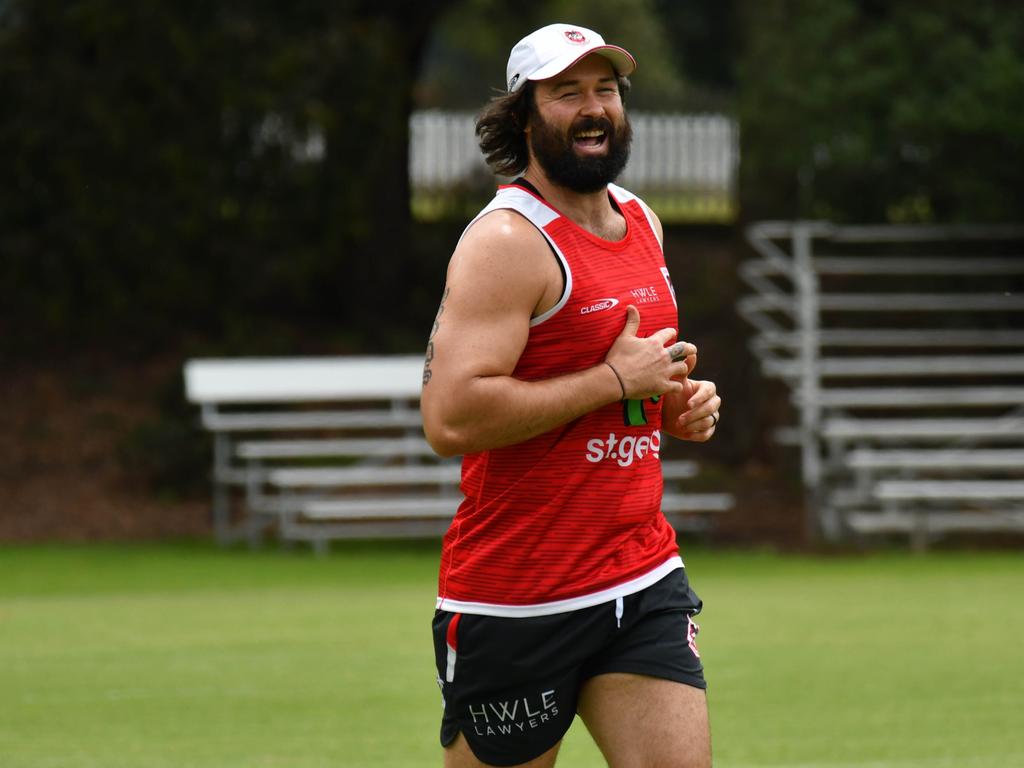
point(554, 370)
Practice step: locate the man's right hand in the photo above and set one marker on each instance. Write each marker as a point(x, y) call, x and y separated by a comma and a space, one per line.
point(650, 366)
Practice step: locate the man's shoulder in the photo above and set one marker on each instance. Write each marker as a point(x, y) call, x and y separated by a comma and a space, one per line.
point(502, 243)
point(623, 196)
point(506, 258)
point(513, 219)
point(500, 224)
point(531, 207)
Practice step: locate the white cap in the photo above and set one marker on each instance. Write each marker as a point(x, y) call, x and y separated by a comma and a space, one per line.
point(554, 48)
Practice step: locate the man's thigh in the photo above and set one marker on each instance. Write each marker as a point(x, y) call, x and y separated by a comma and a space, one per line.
point(459, 755)
point(646, 722)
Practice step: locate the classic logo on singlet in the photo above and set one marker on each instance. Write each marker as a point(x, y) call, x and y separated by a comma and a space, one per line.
point(624, 450)
point(598, 306)
point(497, 718)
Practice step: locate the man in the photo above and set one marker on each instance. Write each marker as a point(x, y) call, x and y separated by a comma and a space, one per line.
point(553, 369)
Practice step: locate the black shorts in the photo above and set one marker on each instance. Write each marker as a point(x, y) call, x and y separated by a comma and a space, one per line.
point(511, 684)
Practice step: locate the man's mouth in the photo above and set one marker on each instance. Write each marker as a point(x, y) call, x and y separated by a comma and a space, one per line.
point(589, 139)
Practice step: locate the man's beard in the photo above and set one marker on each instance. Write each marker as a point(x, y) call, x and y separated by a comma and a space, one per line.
point(558, 158)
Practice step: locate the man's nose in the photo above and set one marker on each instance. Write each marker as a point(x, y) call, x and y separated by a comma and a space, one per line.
point(592, 105)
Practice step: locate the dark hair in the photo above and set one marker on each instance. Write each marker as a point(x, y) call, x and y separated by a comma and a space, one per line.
point(501, 127)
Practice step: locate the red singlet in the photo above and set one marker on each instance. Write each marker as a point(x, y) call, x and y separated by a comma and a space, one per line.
point(570, 518)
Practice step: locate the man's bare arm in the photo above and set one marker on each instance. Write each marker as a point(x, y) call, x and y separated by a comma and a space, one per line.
point(501, 275)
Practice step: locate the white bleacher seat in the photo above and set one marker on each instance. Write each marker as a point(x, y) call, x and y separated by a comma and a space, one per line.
point(290, 380)
point(918, 397)
point(919, 365)
point(334, 477)
point(285, 449)
point(950, 490)
point(845, 430)
point(936, 460)
point(921, 525)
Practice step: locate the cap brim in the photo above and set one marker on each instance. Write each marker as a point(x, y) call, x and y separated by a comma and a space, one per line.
point(621, 59)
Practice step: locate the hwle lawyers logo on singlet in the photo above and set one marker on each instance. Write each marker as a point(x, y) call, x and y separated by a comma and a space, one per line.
point(645, 294)
point(624, 450)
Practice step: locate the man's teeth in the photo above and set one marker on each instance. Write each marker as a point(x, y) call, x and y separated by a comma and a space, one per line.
point(595, 134)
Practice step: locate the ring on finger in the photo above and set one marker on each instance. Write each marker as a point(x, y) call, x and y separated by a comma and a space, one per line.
point(714, 420)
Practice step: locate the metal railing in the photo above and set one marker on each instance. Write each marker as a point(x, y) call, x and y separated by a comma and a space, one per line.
point(888, 336)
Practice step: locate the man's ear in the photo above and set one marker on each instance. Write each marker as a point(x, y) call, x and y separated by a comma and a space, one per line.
point(525, 122)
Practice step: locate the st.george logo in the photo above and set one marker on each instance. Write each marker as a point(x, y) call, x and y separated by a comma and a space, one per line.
point(624, 450)
point(575, 36)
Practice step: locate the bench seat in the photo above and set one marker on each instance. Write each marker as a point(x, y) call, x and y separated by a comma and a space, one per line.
point(901, 430)
point(270, 421)
point(949, 490)
point(320, 520)
point(257, 450)
point(347, 477)
point(887, 302)
point(303, 379)
point(916, 397)
point(944, 365)
point(405, 474)
point(397, 508)
point(696, 502)
point(320, 533)
point(868, 522)
point(881, 338)
point(888, 265)
point(443, 507)
point(952, 459)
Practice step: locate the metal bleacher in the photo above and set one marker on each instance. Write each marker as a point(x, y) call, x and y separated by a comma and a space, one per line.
point(903, 351)
point(322, 448)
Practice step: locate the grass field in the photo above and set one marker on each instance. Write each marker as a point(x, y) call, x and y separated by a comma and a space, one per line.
point(186, 655)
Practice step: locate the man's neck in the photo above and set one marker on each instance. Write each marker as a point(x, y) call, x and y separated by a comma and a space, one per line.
point(593, 211)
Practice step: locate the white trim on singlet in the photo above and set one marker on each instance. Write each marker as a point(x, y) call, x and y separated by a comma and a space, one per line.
point(563, 606)
point(540, 215)
point(624, 196)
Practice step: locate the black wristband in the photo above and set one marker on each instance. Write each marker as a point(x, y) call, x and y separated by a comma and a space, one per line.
point(623, 386)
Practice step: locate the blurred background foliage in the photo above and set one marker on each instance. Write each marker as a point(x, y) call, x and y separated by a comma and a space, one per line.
point(195, 178)
point(158, 187)
point(874, 111)
point(465, 62)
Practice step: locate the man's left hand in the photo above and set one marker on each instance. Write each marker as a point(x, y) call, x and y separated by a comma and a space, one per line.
point(693, 413)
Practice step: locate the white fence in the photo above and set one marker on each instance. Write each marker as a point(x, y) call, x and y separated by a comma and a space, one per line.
point(686, 164)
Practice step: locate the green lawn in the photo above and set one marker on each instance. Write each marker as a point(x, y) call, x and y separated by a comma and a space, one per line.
point(146, 656)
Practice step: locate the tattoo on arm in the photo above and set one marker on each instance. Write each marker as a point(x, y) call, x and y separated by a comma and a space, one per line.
point(430, 342)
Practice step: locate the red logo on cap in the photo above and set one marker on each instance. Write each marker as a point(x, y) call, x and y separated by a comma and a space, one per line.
point(574, 36)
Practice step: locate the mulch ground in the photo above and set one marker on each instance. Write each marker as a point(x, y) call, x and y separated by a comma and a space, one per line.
point(60, 473)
